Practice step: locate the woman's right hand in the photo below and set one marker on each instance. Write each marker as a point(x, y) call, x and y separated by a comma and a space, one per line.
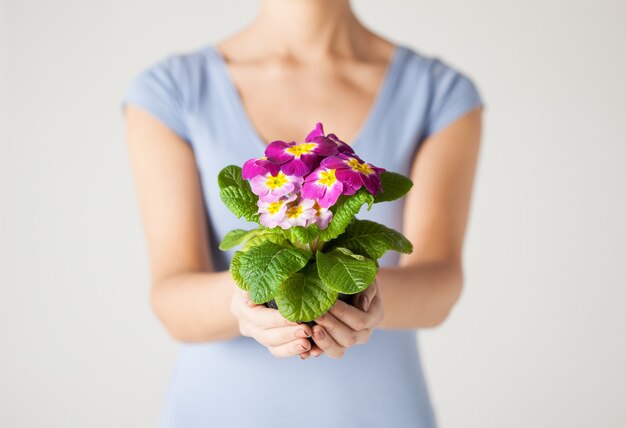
point(283, 338)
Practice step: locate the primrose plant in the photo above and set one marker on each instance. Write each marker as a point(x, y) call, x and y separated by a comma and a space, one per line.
point(309, 249)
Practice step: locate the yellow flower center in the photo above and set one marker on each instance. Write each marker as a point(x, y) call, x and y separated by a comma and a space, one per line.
point(276, 182)
point(357, 166)
point(327, 177)
point(301, 149)
point(274, 207)
point(318, 209)
point(295, 211)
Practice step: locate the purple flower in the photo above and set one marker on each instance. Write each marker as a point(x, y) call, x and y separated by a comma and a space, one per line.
point(258, 166)
point(298, 214)
point(270, 187)
point(273, 213)
point(322, 217)
point(323, 185)
point(299, 158)
point(341, 146)
point(318, 133)
point(353, 173)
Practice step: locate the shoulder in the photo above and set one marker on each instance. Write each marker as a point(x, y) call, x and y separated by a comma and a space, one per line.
point(442, 90)
point(170, 87)
point(431, 70)
point(179, 74)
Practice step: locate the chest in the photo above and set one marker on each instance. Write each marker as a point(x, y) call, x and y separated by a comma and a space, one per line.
point(283, 101)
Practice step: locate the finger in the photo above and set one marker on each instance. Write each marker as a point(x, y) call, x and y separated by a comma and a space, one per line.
point(341, 333)
point(245, 296)
point(364, 299)
point(377, 311)
point(265, 318)
point(280, 335)
point(238, 302)
point(316, 351)
point(326, 343)
point(351, 316)
point(290, 349)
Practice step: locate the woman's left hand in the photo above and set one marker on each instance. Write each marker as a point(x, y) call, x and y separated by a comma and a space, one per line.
point(346, 325)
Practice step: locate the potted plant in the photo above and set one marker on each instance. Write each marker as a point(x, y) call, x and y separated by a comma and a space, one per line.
point(309, 248)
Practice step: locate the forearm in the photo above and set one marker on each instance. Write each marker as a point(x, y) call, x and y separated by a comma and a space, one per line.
point(419, 295)
point(195, 306)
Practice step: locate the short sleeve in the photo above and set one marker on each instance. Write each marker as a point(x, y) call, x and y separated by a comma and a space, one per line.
point(156, 90)
point(453, 95)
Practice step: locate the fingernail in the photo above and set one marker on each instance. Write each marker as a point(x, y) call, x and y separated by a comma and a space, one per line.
point(365, 303)
point(321, 318)
point(302, 347)
point(302, 333)
point(320, 335)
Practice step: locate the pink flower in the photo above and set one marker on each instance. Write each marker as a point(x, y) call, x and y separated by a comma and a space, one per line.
point(273, 213)
point(270, 187)
point(299, 158)
point(299, 213)
point(322, 217)
point(318, 133)
point(258, 166)
point(353, 173)
point(323, 185)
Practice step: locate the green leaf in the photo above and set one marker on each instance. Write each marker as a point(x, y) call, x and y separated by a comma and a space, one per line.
point(345, 212)
point(302, 234)
point(236, 193)
point(241, 202)
point(265, 267)
point(271, 235)
point(235, 266)
point(394, 186)
point(234, 238)
point(345, 272)
point(304, 296)
point(251, 238)
point(230, 176)
point(372, 239)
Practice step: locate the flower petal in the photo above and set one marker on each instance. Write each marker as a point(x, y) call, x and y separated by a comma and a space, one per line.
point(342, 147)
point(325, 147)
point(313, 190)
point(276, 152)
point(331, 195)
point(269, 166)
point(334, 162)
point(351, 180)
point(372, 183)
point(251, 169)
point(258, 185)
point(296, 167)
point(317, 132)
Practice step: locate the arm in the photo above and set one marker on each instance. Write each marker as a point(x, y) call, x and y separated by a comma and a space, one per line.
point(194, 303)
point(422, 290)
point(191, 300)
point(426, 285)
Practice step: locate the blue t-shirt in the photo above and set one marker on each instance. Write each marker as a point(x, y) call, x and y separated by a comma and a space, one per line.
point(238, 383)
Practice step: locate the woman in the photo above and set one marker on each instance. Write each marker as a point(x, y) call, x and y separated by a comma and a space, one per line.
point(191, 114)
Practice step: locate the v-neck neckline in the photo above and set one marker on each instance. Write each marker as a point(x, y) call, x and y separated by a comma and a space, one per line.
point(374, 111)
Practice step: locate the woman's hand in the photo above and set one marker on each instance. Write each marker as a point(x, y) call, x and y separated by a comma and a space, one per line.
point(267, 326)
point(346, 325)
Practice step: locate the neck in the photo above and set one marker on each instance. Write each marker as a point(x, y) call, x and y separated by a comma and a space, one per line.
point(308, 28)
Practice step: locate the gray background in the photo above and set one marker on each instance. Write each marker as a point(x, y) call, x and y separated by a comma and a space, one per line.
point(538, 338)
